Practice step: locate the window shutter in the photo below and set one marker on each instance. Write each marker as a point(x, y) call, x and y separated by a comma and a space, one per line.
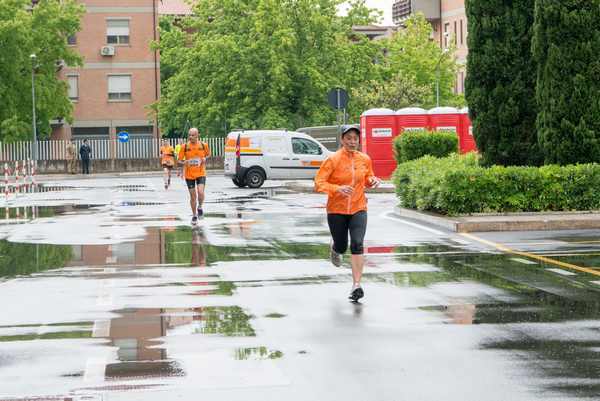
point(119, 84)
point(117, 28)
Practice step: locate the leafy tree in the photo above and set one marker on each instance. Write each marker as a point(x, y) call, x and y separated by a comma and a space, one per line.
point(566, 46)
point(265, 63)
point(412, 54)
point(500, 83)
point(407, 76)
point(173, 45)
point(42, 30)
point(398, 92)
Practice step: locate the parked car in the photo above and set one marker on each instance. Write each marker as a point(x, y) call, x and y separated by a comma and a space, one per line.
point(251, 157)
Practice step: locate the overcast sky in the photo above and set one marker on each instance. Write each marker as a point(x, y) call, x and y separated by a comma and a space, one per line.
point(385, 6)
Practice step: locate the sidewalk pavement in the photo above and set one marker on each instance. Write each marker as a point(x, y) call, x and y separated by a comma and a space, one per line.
point(585, 220)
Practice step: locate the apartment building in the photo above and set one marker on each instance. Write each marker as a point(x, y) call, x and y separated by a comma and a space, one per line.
point(120, 76)
point(449, 21)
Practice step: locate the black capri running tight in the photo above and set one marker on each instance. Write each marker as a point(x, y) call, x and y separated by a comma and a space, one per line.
point(341, 224)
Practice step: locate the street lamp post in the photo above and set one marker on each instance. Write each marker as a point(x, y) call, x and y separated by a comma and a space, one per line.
point(437, 78)
point(33, 120)
point(437, 73)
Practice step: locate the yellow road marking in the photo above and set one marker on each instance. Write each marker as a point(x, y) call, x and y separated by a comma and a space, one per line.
point(531, 255)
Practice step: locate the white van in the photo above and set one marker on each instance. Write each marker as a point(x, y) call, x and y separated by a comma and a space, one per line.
point(251, 157)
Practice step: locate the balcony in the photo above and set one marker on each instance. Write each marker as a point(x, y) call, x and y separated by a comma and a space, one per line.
point(402, 9)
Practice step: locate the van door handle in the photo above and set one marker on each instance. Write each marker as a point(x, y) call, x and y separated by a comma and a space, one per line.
point(295, 159)
point(285, 158)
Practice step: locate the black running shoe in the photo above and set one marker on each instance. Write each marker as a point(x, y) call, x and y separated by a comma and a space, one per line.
point(200, 212)
point(194, 220)
point(356, 294)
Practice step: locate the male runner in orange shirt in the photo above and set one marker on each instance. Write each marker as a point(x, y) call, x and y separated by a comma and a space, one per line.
point(193, 156)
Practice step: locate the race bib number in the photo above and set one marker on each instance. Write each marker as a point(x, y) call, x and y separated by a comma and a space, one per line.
point(195, 162)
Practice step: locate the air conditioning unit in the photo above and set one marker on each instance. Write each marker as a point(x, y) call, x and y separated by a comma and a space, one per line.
point(107, 51)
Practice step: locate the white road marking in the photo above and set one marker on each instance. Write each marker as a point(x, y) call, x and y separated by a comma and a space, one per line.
point(562, 272)
point(101, 329)
point(424, 228)
point(524, 261)
point(95, 369)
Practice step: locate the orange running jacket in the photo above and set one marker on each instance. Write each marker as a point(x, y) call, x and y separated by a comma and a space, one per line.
point(345, 168)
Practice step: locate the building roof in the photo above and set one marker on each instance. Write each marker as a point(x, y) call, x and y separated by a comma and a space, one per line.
point(375, 32)
point(174, 7)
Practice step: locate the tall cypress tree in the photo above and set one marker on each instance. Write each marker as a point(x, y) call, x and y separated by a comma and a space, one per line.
point(566, 47)
point(501, 78)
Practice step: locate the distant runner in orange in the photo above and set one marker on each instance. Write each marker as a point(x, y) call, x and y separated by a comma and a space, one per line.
point(167, 160)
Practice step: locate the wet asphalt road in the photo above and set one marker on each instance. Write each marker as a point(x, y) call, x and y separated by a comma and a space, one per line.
point(106, 293)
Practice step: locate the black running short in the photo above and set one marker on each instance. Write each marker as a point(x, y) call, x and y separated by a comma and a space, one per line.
point(340, 225)
point(167, 167)
point(191, 184)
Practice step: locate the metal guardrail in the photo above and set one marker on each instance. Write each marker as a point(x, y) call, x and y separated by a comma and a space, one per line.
point(102, 149)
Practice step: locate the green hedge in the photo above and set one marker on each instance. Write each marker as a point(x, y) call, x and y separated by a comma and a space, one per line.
point(414, 144)
point(458, 185)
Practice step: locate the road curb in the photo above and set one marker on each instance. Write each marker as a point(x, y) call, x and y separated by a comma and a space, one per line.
point(309, 188)
point(136, 174)
point(587, 220)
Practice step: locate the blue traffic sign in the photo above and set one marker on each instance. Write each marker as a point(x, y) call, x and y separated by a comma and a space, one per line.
point(123, 136)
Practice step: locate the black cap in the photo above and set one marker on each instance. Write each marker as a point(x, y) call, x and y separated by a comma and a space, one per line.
point(348, 128)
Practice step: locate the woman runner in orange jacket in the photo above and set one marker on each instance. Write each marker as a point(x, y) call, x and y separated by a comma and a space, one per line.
point(344, 177)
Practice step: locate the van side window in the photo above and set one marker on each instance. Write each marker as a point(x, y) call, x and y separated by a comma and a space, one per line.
point(301, 146)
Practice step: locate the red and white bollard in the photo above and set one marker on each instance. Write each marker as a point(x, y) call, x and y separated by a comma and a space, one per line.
point(6, 182)
point(33, 166)
point(24, 167)
point(17, 179)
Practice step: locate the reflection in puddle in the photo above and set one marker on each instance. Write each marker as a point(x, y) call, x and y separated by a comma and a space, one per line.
point(256, 354)
point(25, 259)
point(229, 321)
point(143, 370)
point(58, 335)
point(135, 203)
point(275, 315)
point(566, 365)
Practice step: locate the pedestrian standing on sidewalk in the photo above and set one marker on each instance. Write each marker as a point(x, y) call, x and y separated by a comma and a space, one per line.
point(343, 176)
point(85, 152)
point(71, 157)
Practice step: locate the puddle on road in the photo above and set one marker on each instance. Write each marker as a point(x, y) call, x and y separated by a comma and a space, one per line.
point(143, 370)
point(79, 187)
point(564, 365)
point(275, 315)
point(525, 294)
point(135, 203)
point(26, 259)
point(256, 354)
point(26, 212)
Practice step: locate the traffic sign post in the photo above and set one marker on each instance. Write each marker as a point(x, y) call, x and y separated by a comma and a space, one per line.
point(123, 136)
point(338, 99)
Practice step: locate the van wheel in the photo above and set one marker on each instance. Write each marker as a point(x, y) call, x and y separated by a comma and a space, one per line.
point(255, 178)
point(239, 183)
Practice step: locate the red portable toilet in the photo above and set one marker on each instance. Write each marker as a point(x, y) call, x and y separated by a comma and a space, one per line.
point(412, 119)
point(465, 133)
point(445, 119)
point(378, 129)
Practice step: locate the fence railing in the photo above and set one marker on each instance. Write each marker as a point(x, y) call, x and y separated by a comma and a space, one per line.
point(102, 149)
